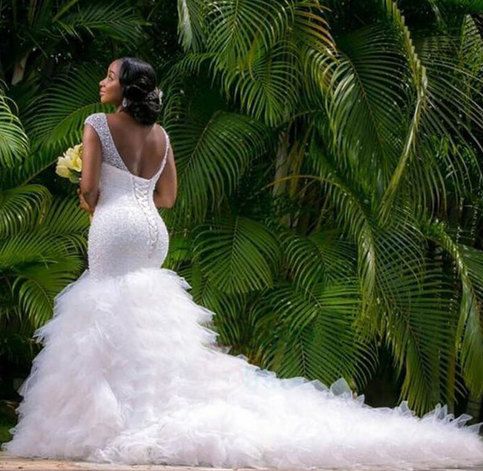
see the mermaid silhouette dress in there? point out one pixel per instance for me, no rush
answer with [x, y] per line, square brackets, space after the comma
[130, 371]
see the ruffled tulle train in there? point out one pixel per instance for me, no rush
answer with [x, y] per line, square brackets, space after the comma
[130, 373]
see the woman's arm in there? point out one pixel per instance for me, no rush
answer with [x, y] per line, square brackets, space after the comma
[166, 187]
[91, 169]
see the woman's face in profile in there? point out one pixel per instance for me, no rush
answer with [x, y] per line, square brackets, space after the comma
[110, 90]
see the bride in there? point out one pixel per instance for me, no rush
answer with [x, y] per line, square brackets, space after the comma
[130, 371]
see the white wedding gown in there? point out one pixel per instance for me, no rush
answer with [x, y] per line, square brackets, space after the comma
[130, 371]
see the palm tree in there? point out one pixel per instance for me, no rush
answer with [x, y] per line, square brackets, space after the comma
[375, 138]
[330, 182]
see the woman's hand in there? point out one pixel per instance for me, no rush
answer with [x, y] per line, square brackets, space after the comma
[83, 203]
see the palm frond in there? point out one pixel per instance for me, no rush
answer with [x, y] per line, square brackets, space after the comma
[268, 91]
[212, 156]
[33, 164]
[67, 222]
[236, 254]
[117, 20]
[192, 14]
[56, 117]
[36, 285]
[468, 262]
[366, 106]
[424, 360]
[317, 257]
[21, 208]
[311, 331]
[14, 143]
[311, 35]
[419, 81]
[236, 26]
[452, 119]
[39, 267]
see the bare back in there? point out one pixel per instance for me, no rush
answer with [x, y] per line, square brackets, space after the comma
[141, 148]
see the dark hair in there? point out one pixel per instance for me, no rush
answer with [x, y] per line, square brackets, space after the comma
[138, 82]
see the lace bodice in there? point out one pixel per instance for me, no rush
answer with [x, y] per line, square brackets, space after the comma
[126, 232]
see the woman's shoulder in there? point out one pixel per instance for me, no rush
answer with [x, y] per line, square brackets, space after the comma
[94, 118]
[161, 130]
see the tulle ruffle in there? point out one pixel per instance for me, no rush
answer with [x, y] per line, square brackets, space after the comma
[131, 373]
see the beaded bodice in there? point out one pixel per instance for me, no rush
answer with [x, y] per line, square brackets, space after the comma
[126, 232]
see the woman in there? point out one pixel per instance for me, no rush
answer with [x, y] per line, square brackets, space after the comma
[130, 371]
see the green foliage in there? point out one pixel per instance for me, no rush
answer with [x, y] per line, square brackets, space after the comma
[14, 143]
[329, 169]
[237, 255]
[40, 259]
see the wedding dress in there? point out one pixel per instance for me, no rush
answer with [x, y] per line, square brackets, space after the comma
[130, 371]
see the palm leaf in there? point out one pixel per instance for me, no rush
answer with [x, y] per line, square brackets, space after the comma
[449, 123]
[14, 143]
[36, 285]
[366, 106]
[117, 20]
[67, 222]
[319, 256]
[311, 331]
[419, 81]
[236, 25]
[425, 360]
[211, 157]
[21, 207]
[269, 91]
[468, 263]
[192, 18]
[56, 117]
[236, 255]
[39, 266]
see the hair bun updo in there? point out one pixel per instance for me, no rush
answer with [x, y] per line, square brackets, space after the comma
[135, 93]
[142, 98]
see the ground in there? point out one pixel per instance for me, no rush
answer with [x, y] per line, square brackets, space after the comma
[24, 464]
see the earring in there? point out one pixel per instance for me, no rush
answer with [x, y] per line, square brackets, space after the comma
[124, 102]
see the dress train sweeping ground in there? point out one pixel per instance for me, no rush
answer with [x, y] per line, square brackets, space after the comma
[131, 373]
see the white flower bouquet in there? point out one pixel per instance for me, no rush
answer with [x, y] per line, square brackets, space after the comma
[69, 164]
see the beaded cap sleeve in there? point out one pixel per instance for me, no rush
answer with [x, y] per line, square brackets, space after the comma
[109, 154]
